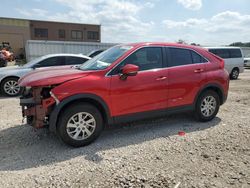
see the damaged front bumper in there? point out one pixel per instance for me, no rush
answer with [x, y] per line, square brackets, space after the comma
[36, 108]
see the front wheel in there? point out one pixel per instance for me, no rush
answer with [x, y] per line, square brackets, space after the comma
[10, 87]
[207, 106]
[80, 124]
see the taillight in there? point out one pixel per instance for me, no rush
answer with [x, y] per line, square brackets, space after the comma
[222, 63]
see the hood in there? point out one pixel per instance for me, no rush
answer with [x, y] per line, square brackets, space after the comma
[47, 77]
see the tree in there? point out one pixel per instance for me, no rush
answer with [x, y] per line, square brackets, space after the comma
[181, 41]
[240, 44]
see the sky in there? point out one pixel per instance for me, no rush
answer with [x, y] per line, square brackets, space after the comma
[206, 22]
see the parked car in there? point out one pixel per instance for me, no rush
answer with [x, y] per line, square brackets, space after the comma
[247, 61]
[95, 53]
[10, 75]
[234, 61]
[123, 84]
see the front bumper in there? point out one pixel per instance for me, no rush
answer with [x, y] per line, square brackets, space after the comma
[34, 113]
[35, 109]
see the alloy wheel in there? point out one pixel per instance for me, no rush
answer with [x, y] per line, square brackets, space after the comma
[11, 87]
[208, 106]
[81, 126]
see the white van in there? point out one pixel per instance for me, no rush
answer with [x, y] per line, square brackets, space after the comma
[233, 56]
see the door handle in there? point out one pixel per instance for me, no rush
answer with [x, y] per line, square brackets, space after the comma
[198, 70]
[161, 78]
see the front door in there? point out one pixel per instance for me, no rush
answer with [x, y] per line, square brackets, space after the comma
[147, 90]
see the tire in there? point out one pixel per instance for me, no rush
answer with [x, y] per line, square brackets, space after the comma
[73, 131]
[234, 74]
[206, 112]
[10, 88]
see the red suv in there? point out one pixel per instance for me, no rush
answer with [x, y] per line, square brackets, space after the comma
[124, 83]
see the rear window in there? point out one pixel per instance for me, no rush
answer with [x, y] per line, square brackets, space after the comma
[227, 53]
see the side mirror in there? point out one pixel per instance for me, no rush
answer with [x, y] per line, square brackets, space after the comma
[129, 70]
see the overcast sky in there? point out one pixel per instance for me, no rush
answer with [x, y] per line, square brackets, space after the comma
[208, 22]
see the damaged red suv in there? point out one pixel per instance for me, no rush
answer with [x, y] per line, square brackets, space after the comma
[125, 83]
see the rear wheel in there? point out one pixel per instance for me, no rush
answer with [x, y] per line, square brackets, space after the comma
[235, 74]
[207, 106]
[79, 125]
[10, 87]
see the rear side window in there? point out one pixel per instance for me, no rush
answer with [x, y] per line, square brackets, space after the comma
[235, 53]
[227, 53]
[223, 53]
[52, 61]
[74, 60]
[197, 58]
[180, 57]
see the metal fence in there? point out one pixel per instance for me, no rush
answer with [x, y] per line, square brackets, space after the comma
[34, 48]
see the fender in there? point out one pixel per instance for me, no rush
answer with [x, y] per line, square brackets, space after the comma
[56, 111]
[223, 98]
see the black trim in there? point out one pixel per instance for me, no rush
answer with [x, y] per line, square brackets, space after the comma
[56, 111]
[152, 114]
[214, 85]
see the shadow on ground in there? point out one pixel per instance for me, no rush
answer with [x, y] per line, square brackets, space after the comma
[23, 147]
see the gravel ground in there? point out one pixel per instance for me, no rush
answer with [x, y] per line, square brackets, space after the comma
[145, 154]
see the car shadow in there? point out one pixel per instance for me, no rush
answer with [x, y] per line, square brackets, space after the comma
[24, 147]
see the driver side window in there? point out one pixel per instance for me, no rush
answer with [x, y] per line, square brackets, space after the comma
[146, 59]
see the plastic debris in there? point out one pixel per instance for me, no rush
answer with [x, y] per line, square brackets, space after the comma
[181, 133]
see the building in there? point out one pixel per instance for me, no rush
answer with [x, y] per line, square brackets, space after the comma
[16, 32]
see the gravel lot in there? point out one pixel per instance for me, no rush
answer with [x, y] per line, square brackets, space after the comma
[145, 154]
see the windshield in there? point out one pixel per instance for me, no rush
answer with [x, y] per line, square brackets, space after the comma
[105, 59]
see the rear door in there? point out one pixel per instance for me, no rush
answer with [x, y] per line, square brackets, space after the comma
[185, 74]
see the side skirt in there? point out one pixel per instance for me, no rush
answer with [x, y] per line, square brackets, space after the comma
[152, 114]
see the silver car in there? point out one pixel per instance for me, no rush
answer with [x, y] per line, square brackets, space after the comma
[9, 76]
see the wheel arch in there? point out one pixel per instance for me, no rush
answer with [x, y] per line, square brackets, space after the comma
[5, 78]
[9, 76]
[95, 100]
[214, 87]
[235, 68]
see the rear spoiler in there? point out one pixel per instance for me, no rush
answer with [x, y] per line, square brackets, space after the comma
[219, 59]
